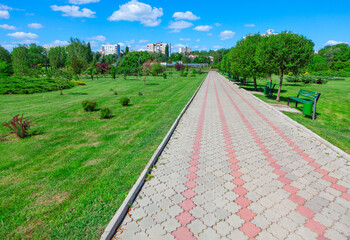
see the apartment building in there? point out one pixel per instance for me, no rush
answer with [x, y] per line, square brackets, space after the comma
[158, 47]
[111, 49]
[185, 50]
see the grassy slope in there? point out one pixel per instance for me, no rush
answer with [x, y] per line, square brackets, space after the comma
[333, 108]
[68, 180]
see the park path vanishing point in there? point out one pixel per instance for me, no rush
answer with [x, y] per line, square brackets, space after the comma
[235, 169]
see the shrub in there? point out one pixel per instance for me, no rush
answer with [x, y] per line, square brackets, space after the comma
[124, 101]
[78, 82]
[19, 126]
[183, 74]
[165, 75]
[89, 106]
[193, 75]
[307, 79]
[140, 93]
[332, 73]
[290, 74]
[105, 113]
[115, 92]
[21, 85]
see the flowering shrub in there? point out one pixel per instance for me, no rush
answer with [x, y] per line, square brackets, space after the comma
[18, 126]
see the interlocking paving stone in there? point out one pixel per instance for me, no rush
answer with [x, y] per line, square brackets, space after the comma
[235, 169]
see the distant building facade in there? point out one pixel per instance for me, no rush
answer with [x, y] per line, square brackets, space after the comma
[111, 49]
[158, 47]
[185, 50]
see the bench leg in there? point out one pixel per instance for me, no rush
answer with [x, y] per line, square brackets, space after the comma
[314, 112]
[296, 104]
[288, 102]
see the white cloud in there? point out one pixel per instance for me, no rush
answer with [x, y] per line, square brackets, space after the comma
[8, 46]
[227, 35]
[57, 43]
[4, 7]
[179, 45]
[121, 44]
[27, 41]
[94, 44]
[129, 42]
[179, 25]
[138, 11]
[185, 39]
[249, 25]
[30, 14]
[79, 2]
[195, 47]
[217, 47]
[23, 35]
[209, 34]
[185, 16]
[99, 38]
[74, 11]
[7, 27]
[140, 48]
[35, 25]
[143, 41]
[204, 28]
[333, 42]
[217, 24]
[4, 14]
[198, 40]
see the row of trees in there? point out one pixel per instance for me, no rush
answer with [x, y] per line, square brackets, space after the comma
[261, 56]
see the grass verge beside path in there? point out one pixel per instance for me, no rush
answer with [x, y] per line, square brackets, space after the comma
[333, 108]
[69, 178]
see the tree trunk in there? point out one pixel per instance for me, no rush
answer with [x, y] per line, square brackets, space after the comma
[255, 86]
[280, 86]
[92, 77]
[270, 76]
[244, 80]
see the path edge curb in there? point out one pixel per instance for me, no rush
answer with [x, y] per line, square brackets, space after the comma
[298, 125]
[123, 209]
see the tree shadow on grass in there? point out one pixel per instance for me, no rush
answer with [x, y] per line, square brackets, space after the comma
[78, 93]
[152, 84]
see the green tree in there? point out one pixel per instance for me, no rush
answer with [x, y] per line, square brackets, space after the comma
[287, 51]
[5, 69]
[130, 65]
[317, 63]
[20, 60]
[126, 50]
[146, 69]
[62, 79]
[167, 53]
[57, 57]
[113, 71]
[79, 55]
[5, 56]
[335, 53]
[157, 69]
[37, 55]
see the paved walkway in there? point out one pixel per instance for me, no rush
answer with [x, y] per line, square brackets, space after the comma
[235, 169]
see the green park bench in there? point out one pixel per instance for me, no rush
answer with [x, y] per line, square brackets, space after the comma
[308, 100]
[268, 88]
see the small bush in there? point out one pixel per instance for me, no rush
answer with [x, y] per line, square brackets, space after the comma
[89, 106]
[290, 74]
[165, 75]
[332, 73]
[183, 74]
[19, 126]
[105, 113]
[115, 92]
[78, 82]
[124, 101]
[193, 75]
[140, 93]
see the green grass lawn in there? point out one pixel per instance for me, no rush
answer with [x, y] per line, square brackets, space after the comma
[333, 108]
[68, 179]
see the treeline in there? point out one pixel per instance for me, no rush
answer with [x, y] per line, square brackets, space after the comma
[335, 58]
[261, 56]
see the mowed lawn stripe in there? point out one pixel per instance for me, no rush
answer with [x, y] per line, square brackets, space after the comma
[68, 179]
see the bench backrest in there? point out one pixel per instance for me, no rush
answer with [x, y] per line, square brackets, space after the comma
[310, 95]
[270, 85]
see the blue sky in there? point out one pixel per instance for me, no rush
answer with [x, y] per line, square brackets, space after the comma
[199, 25]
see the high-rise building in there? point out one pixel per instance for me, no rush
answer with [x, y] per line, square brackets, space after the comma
[158, 47]
[185, 50]
[111, 49]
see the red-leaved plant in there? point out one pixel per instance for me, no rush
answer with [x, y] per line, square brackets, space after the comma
[18, 126]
